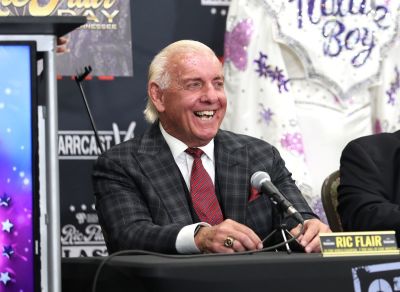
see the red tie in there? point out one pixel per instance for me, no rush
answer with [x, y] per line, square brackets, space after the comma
[202, 191]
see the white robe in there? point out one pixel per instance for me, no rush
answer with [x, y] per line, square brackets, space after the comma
[282, 88]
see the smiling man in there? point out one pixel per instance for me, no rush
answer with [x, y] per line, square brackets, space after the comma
[184, 185]
[192, 103]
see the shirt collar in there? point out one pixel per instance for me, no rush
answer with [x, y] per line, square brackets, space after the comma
[177, 147]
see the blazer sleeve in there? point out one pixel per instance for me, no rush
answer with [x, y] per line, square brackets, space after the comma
[282, 179]
[365, 201]
[124, 213]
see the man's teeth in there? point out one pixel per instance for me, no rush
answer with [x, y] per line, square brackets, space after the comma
[205, 115]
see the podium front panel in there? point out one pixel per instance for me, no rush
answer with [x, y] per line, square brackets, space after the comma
[19, 261]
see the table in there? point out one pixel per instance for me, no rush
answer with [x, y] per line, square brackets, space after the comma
[256, 272]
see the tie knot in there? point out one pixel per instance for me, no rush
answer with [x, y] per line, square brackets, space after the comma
[195, 152]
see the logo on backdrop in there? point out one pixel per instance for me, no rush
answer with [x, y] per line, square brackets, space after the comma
[215, 6]
[105, 36]
[85, 238]
[80, 231]
[81, 145]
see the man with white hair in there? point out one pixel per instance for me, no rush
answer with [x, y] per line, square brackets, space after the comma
[184, 185]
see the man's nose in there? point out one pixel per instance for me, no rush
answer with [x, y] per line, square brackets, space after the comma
[210, 94]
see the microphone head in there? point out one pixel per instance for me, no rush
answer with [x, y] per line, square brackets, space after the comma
[82, 75]
[258, 178]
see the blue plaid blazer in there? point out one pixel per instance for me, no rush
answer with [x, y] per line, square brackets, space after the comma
[142, 201]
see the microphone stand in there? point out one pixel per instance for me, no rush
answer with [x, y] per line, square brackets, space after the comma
[281, 228]
[79, 78]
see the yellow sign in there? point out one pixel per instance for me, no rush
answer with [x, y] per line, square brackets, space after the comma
[101, 14]
[358, 243]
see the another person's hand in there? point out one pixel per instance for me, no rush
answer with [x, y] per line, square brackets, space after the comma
[62, 45]
[212, 239]
[309, 240]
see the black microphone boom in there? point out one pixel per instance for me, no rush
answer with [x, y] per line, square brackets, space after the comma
[262, 182]
[79, 78]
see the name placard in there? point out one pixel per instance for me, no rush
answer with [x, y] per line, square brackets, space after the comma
[358, 243]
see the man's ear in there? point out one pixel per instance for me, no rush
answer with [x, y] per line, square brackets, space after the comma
[156, 94]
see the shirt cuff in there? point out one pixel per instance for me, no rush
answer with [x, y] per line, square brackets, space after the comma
[185, 240]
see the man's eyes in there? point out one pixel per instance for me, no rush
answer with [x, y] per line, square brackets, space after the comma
[199, 85]
[219, 84]
[194, 85]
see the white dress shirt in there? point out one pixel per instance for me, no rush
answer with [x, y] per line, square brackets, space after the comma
[185, 239]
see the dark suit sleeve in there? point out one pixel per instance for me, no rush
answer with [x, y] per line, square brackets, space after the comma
[365, 201]
[282, 179]
[124, 213]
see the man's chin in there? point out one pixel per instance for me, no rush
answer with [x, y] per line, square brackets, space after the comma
[206, 138]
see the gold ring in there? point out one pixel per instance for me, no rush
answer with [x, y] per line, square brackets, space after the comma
[228, 242]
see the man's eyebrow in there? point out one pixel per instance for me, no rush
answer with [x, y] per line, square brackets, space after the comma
[186, 80]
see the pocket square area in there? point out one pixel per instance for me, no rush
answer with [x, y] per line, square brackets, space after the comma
[254, 194]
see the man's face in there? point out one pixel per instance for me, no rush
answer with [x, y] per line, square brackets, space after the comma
[192, 108]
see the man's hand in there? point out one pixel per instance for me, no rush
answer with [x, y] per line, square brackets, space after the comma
[310, 238]
[211, 239]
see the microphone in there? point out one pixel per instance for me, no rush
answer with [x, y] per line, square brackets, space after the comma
[262, 182]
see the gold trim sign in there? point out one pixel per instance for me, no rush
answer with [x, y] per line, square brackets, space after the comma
[36, 8]
[358, 243]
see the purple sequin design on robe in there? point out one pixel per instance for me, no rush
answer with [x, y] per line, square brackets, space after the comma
[236, 42]
[293, 143]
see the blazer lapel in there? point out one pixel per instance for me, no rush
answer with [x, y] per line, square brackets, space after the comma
[159, 166]
[232, 176]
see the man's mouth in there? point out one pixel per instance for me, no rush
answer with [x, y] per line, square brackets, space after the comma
[205, 115]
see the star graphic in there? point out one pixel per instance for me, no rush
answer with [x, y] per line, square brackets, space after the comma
[5, 200]
[8, 251]
[263, 69]
[7, 225]
[277, 74]
[283, 84]
[391, 99]
[267, 115]
[5, 278]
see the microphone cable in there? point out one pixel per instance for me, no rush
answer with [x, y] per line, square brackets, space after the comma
[172, 256]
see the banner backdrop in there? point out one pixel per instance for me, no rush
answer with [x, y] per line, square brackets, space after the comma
[103, 42]
[117, 103]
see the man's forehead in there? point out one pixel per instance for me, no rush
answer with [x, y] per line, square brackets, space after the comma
[192, 58]
[187, 62]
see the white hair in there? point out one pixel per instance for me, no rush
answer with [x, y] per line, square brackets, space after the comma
[159, 69]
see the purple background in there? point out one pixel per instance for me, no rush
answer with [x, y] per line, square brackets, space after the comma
[16, 168]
